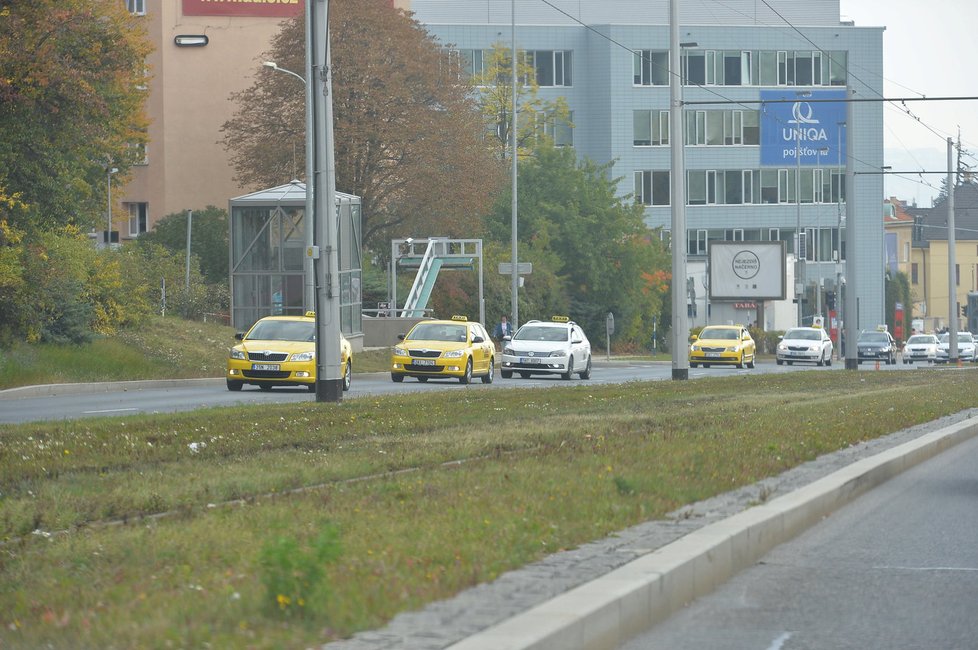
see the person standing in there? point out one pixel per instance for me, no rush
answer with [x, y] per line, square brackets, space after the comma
[503, 328]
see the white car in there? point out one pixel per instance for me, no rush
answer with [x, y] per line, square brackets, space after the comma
[810, 344]
[920, 347]
[966, 347]
[558, 347]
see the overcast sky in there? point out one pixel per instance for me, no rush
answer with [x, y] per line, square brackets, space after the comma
[929, 48]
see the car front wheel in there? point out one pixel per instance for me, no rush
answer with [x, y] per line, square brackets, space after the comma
[234, 385]
[586, 373]
[487, 378]
[570, 368]
[348, 376]
[467, 375]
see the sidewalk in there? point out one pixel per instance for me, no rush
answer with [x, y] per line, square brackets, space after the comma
[599, 595]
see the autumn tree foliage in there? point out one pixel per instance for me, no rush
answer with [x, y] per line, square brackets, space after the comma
[70, 105]
[408, 135]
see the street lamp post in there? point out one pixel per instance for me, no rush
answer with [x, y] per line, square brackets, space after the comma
[108, 204]
[309, 284]
[820, 196]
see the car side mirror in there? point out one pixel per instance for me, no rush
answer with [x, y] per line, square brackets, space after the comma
[507, 338]
[400, 337]
[780, 337]
[692, 337]
[478, 339]
[239, 336]
[577, 341]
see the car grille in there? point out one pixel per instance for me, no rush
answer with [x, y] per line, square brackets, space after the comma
[425, 354]
[531, 353]
[265, 374]
[413, 368]
[267, 356]
[706, 349]
[798, 348]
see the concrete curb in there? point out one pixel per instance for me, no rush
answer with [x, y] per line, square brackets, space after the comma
[47, 390]
[606, 612]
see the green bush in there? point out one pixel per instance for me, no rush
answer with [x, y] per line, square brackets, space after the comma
[293, 573]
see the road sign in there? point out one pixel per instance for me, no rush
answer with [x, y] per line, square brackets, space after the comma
[522, 268]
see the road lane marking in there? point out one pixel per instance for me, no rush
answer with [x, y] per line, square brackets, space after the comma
[110, 411]
[779, 642]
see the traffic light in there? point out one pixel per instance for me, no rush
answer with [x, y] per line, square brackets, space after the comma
[830, 299]
[964, 310]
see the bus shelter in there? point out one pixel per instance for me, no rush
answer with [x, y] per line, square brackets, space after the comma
[267, 241]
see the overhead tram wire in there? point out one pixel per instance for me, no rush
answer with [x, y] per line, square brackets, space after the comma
[747, 103]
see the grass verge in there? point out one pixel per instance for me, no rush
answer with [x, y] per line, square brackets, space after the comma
[380, 505]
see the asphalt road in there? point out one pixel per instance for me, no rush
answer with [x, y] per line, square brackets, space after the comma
[897, 568]
[72, 401]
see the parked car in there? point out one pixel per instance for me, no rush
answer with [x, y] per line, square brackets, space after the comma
[809, 344]
[722, 345]
[920, 347]
[966, 347]
[876, 345]
[281, 351]
[558, 347]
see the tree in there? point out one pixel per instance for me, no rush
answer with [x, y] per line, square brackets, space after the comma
[208, 240]
[536, 117]
[407, 133]
[598, 244]
[70, 106]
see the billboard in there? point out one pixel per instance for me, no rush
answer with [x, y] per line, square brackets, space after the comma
[795, 128]
[250, 8]
[748, 270]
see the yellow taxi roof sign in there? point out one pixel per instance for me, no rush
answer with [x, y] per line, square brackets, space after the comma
[460, 317]
[310, 314]
[560, 319]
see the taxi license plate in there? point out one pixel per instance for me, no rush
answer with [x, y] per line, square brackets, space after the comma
[529, 360]
[265, 366]
[423, 362]
[713, 355]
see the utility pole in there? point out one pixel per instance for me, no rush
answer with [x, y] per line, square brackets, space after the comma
[680, 320]
[952, 284]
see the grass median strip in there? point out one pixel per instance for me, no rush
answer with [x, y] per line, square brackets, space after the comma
[546, 470]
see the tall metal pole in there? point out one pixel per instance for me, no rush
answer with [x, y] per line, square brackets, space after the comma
[851, 323]
[329, 381]
[514, 274]
[680, 319]
[952, 284]
[190, 221]
[799, 263]
[308, 266]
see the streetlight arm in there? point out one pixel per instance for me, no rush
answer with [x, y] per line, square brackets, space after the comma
[274, 66]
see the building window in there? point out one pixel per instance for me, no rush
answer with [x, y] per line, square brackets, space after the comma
[138, 218]
[650, 68]
[650, 128]
[913, 274]
[957, 275]
[553, 67]
[561, 132]
[906, 251]
[763, 68]
[697, 242]
[136, 7]
[652, 187]
[722, 127]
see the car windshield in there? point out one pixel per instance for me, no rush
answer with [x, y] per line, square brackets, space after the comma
[874, 337]
[437, 332]
[283, 330]
[922, 339]
[804, 335]
[963, 337]
[541, 333]
[721, 334]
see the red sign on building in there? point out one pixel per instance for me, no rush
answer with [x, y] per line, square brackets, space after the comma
[249, 8]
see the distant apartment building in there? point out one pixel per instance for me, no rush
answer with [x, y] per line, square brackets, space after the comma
[753, 172]
[204, 50]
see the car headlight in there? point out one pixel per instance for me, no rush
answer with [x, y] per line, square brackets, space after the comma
[453, 354]
[401, 352]
[238, 354]
[509, 351]
[782, 347]
[559, 353]
[732, 349]
[304, 356]
[694, 348]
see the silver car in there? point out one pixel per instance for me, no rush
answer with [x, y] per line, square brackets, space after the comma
[920, 347]
[966, 347]
[808, 344]
[540, 348]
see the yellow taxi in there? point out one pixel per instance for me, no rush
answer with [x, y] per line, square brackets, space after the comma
[722, 345]
[457, 348]
[281, 351]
